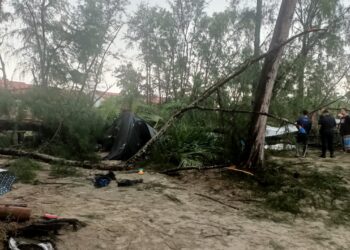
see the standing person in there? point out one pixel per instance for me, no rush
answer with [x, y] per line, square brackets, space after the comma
[344, 129]
[304, 125]
[327, 125]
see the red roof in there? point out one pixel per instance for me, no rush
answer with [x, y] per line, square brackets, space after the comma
[22, 87]
[15, 86]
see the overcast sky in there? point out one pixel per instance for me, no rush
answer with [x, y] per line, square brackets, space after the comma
[214, 5]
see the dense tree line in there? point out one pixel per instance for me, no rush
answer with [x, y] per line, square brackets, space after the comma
[182, 51]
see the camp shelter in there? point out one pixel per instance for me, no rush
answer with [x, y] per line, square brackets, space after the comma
[129, 134]
[279, 131]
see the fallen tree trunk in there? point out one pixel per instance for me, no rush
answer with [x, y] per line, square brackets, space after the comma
[103, 165]
[180, 169]
[239, 70]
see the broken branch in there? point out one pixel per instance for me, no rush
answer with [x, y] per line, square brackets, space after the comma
[213, 199]
[103, 165]
[239, 70]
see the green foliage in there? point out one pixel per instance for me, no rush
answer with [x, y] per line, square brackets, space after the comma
[188, 143]
[25, 170]
[72, 125]
[182, 53]
[111, 108]
[60, 171]
[150, 113]
[7, 102]
[294, 191]
[5, 140]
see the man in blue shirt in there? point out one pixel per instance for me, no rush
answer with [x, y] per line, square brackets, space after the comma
[304, 125]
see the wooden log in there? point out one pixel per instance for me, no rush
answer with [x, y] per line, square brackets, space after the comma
[103, 165]
[180, 169]
[14, 213]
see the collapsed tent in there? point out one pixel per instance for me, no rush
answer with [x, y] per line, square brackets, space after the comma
[129, 134]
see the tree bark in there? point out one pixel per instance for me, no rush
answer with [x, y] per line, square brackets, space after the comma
[3, 70]
[301, 72]
[255, 150]
[258, 18]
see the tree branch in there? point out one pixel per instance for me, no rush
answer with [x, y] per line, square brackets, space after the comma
[233, 111]
[239, 70]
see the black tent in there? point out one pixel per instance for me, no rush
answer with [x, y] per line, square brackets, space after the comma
[130, 133]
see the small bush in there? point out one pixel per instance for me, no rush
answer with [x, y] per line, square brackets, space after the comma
[7, 102]
[63, 171]
[5, 140]
[25, 170]
[72, 125]
[287, 200]
[187, 145]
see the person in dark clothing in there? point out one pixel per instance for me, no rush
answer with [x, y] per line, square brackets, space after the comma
[327, 125]
[344, 126]
[304, 125]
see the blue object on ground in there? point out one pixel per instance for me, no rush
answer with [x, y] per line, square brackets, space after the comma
[102, 181]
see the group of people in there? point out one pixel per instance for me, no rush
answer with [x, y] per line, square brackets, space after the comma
[327, 125]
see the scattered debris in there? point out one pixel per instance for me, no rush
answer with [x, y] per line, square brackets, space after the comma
[213, 199]
[18, 244]
[127, 182]
[39, 234]
[50, 216]
[104, 180]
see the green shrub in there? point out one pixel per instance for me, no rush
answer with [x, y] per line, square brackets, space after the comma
[25, 170]
[72, 125]
[5, 140]
[187, 145]
[7, 102]
[291, 192]
[110, 108]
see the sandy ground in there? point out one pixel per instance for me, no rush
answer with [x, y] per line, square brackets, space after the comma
[167, 213]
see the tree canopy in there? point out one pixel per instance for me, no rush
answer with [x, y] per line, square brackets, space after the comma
[180, 51]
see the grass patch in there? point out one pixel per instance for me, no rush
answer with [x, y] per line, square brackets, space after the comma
[60, 171]
[25, 170]
[298, 191]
